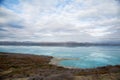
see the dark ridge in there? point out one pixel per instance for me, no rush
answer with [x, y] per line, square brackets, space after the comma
[64, 44]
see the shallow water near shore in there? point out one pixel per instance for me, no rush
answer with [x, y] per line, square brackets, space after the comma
[86, 57]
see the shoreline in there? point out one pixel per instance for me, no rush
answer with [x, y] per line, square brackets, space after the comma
[55, 61]
[15, 66]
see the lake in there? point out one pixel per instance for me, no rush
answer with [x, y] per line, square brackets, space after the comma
[86, 57]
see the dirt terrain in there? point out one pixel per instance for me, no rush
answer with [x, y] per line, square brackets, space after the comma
[35, 67]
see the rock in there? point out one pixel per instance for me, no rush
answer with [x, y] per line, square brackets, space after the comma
[114, 69]
[63, 76]
[36, 78]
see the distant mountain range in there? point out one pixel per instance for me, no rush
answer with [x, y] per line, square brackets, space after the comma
[67, 44]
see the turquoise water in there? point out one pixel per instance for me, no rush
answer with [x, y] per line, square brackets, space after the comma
[87, 57]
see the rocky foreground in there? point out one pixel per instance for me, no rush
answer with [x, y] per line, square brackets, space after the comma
[35, 67]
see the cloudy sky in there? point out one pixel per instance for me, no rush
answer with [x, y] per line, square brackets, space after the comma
[60, 20]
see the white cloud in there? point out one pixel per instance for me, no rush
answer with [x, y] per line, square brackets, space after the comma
[99, 32]
[55, 20]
